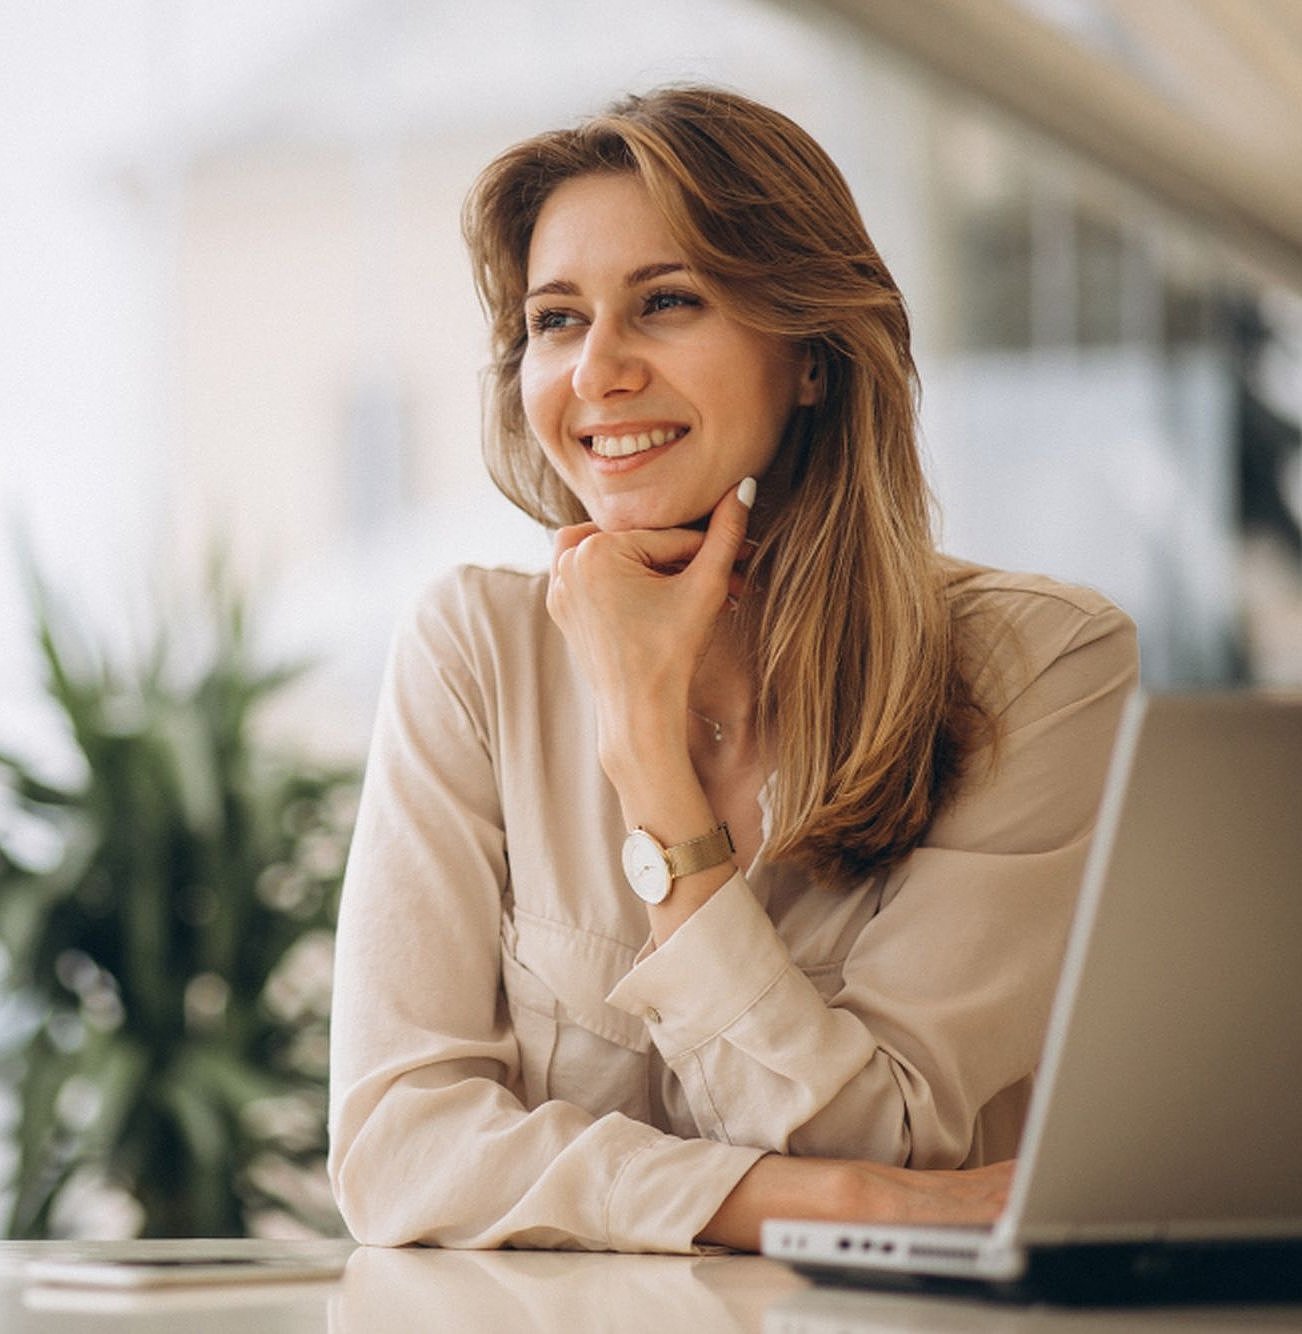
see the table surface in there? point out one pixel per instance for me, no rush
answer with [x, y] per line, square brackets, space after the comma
[392, 1291]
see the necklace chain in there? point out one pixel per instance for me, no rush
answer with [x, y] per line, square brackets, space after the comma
[713, 723]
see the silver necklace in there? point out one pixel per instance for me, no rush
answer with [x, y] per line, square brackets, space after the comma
[713, 723]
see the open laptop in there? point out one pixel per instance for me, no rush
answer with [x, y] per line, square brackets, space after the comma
[1162, 1154]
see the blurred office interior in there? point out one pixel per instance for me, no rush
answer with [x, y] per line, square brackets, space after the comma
[238, 310]
[239, 307]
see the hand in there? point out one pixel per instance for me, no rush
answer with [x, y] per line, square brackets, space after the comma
[855, 1191]
[638, 608]
[973, 1196]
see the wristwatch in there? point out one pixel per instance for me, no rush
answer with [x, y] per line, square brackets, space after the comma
[652, 869]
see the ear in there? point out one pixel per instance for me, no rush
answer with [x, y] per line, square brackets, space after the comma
[809, 389]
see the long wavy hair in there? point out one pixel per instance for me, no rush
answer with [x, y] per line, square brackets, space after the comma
[861, 690]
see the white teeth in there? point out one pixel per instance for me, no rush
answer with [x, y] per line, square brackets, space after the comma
[620, 446]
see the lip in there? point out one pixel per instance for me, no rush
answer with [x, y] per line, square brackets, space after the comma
[628, 462]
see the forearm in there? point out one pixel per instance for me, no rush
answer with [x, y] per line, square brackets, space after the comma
[640, 611]
[476, 1170]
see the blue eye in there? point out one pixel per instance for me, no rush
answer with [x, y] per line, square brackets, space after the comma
[666, 299]
[549, 320]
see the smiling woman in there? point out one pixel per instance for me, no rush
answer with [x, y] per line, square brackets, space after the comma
[723, 871]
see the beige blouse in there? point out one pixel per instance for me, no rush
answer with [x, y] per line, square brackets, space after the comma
[511, 1063]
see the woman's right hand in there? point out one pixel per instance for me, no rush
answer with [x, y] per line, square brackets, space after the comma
[855, 1191]
[638, 610]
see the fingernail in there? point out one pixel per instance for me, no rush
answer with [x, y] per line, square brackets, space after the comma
[746, 491]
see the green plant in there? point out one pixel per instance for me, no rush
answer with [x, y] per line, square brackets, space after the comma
[167, 924]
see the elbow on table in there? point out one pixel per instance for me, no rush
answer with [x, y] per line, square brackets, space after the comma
[374, 1207]
[368, 1215]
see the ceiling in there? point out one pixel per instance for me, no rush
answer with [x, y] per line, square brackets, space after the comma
[1196, 102]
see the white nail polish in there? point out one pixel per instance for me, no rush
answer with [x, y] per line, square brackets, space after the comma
[746, 491]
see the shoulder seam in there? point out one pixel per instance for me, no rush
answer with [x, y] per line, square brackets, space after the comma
[1087, 601]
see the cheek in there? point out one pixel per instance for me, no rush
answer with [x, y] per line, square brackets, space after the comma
[538, 394]
[772, 407]
[770, 390]
[529, 388]
[543, 404]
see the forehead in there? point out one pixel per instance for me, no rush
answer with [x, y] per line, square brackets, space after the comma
[598, 226]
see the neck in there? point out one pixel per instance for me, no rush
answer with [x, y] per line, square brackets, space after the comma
[723, 689]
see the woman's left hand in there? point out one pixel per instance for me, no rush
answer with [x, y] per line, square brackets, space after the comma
[849, 1190]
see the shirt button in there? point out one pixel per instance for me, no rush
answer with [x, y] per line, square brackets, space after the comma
[652, 1015]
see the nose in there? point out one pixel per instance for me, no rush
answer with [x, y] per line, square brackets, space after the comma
[607, 363]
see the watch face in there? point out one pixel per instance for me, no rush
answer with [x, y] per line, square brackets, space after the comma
[645, 867]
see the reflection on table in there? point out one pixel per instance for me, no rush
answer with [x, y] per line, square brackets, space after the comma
[552, 1292]
[862, 1311]
[393, 1291]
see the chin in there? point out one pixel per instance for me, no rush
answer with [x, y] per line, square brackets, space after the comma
[651, 524]
[627, 515]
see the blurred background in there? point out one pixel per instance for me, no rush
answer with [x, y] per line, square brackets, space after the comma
[239, 429]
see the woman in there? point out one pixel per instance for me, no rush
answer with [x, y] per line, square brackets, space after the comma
[724, 870]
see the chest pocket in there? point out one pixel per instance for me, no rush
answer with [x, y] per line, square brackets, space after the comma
[573, 1046]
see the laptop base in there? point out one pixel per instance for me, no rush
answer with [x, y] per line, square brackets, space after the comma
[1111, 1274]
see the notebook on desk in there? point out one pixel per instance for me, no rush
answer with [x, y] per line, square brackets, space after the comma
[1162, 1154]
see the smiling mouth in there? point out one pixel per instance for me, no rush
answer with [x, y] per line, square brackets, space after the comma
[621, 446]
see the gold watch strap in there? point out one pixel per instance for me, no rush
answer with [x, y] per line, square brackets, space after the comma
[699, 854]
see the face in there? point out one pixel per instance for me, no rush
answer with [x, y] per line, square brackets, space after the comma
[649, 399]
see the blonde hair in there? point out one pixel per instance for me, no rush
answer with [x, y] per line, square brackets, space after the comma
[861, 690]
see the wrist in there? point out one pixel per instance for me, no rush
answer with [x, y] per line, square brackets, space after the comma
[652, 742]
[778, 1186]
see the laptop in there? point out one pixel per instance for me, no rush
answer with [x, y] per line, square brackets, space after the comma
[1162, 1153]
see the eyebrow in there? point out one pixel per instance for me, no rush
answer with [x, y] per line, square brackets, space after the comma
[633, 278]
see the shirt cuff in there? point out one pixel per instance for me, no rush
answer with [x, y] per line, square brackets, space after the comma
[667, 1191]
[707, 974]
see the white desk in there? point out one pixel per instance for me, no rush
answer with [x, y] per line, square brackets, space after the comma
[391, 1292]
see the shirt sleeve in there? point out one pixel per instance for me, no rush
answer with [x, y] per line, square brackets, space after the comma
[428, 1143]
[944, 995]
